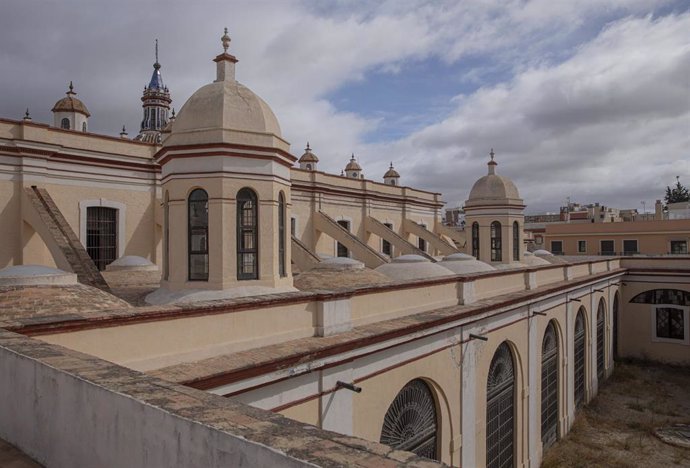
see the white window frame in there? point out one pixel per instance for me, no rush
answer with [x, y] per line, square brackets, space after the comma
[121, 217]
[686, 324]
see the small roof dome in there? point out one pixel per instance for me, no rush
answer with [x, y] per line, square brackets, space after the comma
[71, 103]
[408, 267]
[308, 156]
[532, 260]
[462, 263]
[391, 172]
[493, 187]
[542, 252]
[338, 273]
[353, 165]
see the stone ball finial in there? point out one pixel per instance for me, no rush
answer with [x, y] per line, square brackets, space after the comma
[225, 40]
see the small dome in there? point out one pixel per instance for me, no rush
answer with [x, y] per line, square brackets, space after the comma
[353, 165]
[408, 267]
[391, 172]
[532, 260]
[493, 187]
[542, 253]
[308, 156]
[34, 275]
[461, 263]
[131, 263]
[71, 103]
[338, 273]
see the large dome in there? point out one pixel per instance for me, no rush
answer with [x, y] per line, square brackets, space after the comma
[494, 186]
[226, 105]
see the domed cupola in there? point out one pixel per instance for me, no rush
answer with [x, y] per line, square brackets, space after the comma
[308, 160]
[156, 103]
[70, 113]
[391, 177]
[225, 177]
[353, 170]
[494, 218]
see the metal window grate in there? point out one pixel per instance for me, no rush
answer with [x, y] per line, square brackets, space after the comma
[341, 250]
[411, 422]
[500, 398]
[247, 235]
[101, 235]
[516, 241]
[600, 340]
[198, 235]
[281, 235]
[496, 245]
[549, 387]
[475, 240]
[386, 246]
[579, 383]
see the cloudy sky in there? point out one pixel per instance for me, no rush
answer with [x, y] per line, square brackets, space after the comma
[587, 99]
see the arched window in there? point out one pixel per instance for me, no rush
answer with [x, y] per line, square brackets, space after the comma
[579, 361]
[64, 123]
[500, 398]
[475, 240]
[247, 235]
[496, 248]
[615, 326]
[83, 126]
[411, 423]
[549, 386]
[197, 205]
[516, 241]
[281, 234]
[309, 167]
[601, 319]
[392, 181]
[166, 236]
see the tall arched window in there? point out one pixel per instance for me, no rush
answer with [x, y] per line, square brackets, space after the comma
[64, 123]
[475, 240]
[500, 398]
[281, 234]
[615, 326]
[496, 248]
[166, 236]
[516, 241]
[549, 386]
[83, 126]
[411, 423]
[247, 235]
[601, 319]
[198, 235]
[579, 361]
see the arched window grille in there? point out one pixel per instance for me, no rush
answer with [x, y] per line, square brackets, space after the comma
[198, 235]
[166, 236]
[247, 235]
[281, 234]
[496, 248]
[309, 167]
[579, 361]
[516, 241]
[615, 326]
[601, 319]
[663, 296]
[411, 423]
[549, 386]
[101, 235]
[500, 398]
[64, 123]
[83, 126]
[475, 240]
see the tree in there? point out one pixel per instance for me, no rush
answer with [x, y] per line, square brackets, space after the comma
[679, 193]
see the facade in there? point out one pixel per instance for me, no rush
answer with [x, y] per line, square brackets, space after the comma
[475, 360]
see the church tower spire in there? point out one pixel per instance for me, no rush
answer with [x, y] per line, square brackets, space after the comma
[156, 103]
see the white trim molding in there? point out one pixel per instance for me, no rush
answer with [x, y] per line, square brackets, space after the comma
[121, 215]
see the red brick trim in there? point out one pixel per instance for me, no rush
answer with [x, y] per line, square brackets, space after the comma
[162, 156]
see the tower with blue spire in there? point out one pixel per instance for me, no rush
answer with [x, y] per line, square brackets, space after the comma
[156, 103]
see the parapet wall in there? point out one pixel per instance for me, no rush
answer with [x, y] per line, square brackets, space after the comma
[67, 409]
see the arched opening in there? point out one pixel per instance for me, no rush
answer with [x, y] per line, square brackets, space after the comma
[615, 326]
[197, 205]
[549, 386]
[475, 240]
[496, 247]
[669, 313]
[579, 358]
[500, 401]
[281, 234]
[83, 126]
[64, 123]
[601, 340]
[101, 235]
[411, 422]
[516, 241]
[247, 235]
[309, 167]
[166, 236]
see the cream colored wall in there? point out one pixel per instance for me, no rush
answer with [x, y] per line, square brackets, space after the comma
[492, 286]
[441, 372]
[156, 344]
[307, 412]
[35, 251]
[10, 216]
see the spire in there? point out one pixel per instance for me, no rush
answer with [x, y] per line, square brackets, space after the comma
[71, 89]
[156, 65]
[156, 82]
[492, 164]
[27, 117]
[156, 103]
[172, 117]
[123, 133]
[225, 68]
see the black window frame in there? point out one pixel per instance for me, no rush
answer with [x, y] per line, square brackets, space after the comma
[516, 241]
[496, 242]
[669, 332]
[627, 251]
[68, 124]
[681, 251]
[387, 247]
[282, 215]
[475, 240]
[582, 246]
[199, 197]
[251, 228]
[421, 242]
[607, 252]
[557, 251]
